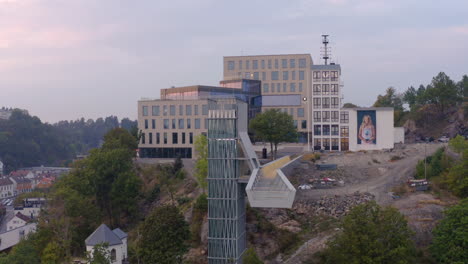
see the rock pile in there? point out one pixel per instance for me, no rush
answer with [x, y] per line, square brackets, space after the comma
[335, 206]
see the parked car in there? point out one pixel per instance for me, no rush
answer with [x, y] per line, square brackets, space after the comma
[305, 187]
[443, 139]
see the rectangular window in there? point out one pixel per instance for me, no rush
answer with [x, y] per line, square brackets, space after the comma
[316, 76]
[189, 124]
[143, 138]
[265, 88]
[206, 123]
[166, 123]
[181, 110]
[326, 89]
[293, 75]
[317, 103]
[326, 116]
[317, 130]
[183, 137]
[197, 123]
[334, 142]
[285, 87]
[263, 64]
[155, 110]
[326, 102]
[175, 138]
[284, 63]
[317, 143]
[247, 65]
[335, 102]
[300, 112]
[165, 138]
[145, 110]
[165, 110]
[204, 109]
[231, 65]
[335, 116]
[146, 123]
[153, 123]
[274, 75]
[276, 64]
[247, 75]
[300, 87]
[295, 123]
[317, 89]
[255, 64]
[326, 130]
[285, 75]
[190, 138]
[301, 75]
[292, 87]
[304, 124]
[278, 87]
[334, 76]
[317, 116]
[256, 76]
[188, 110]
[181, 123]
[325, 75]
[291, 111]
[150, 137]
[292, 63]
[345, 131]
[158, 140]
[172, 110]
[240, 65]
[334, 89]
[269, 64]
[344, 117]
[263, 76]
[302, 63]
[334, 131]
[326, 143]
[173, 124]
[195, 109]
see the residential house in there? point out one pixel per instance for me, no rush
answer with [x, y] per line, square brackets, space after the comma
[7, 188]
[22, 185]
[18, 220]
[115, 240]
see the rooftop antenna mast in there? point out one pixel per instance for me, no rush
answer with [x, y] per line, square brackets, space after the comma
[325, 49]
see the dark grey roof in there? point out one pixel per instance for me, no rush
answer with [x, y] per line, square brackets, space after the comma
[103, 234]
[121, 234]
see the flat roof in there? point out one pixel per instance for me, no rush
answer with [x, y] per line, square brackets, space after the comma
[369, 108]
[293, 54]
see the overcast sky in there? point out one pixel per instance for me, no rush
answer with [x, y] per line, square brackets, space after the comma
[66, 59]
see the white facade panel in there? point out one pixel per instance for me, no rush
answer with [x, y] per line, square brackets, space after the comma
[399, 135]
[384, 131]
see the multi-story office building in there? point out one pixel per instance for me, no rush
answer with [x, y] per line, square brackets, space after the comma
[286, 82]
[170, 124]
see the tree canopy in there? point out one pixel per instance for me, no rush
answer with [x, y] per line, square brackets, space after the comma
[274, 127]
[201, 165]
[371, 234]
[450, 241]
[163, 236]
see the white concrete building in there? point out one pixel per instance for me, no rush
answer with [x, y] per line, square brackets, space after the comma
[7, 188]
[116, 241]
[17, 221]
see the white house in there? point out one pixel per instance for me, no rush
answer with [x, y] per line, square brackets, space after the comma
[18, 220]
[116, 241]
[7, 188]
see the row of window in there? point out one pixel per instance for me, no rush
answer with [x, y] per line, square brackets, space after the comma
[331, 130]
[171, 110]
[331, 144]
[326, 116]
[327, 102]
[274, 75]
[263, 64]
[157, 138]
[177, 123]
[325, 75]
[284, 87]
[300, 111]
[325, 89]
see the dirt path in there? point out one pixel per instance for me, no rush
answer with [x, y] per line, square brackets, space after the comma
[309, 248]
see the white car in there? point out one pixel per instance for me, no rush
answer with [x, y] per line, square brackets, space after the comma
[444, 139]
[305, 187]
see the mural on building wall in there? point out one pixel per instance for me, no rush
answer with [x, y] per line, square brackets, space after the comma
[367, 134]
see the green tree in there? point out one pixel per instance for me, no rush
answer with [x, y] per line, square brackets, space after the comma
[100, 255]
[349, 105]
[162, 237]
[201, 164]
[23, 252]
[118, 138]
[458, 144]
[409, 97]
[250, 257]
[442, 92]
[52, 254]
[450, 241]
[371, 234]
[274, 127]
[463, 86]
[391, 99]
[457, 179]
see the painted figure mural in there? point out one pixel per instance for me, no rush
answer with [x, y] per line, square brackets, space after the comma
[367, 134]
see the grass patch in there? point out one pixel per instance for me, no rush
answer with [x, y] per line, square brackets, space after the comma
[434, 201]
